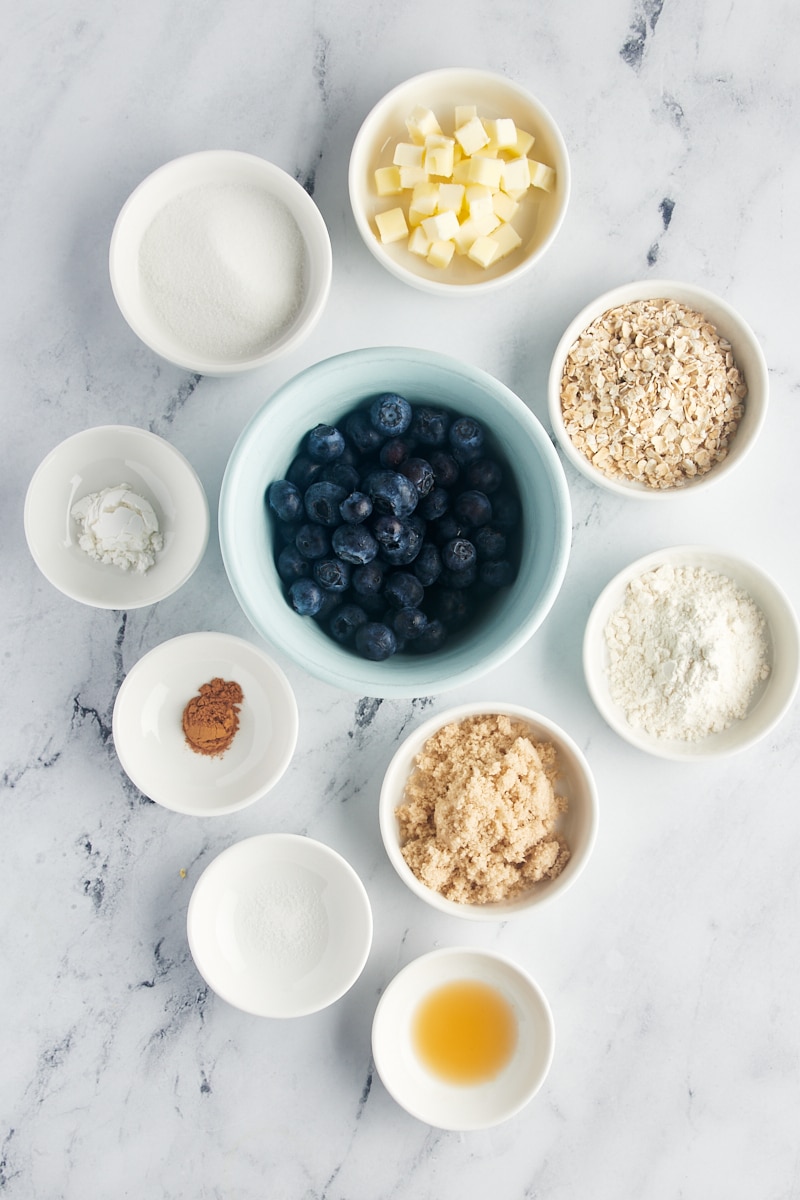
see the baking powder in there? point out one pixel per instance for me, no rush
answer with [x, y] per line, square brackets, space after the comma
[687, 650]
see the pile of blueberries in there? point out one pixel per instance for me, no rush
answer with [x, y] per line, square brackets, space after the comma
[394, 529]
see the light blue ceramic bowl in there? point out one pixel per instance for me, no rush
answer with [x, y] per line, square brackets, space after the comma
[325, 392]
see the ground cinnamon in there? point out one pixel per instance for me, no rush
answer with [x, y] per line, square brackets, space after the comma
[211, 719]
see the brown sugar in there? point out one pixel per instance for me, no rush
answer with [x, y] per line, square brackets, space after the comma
[211, 718]
[478, 817]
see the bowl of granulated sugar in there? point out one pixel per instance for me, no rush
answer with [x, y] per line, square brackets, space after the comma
[220, 261]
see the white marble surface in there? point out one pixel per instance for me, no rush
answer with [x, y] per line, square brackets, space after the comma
[672, 966]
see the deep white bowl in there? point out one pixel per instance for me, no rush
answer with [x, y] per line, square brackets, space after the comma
[410, 1081]
[495, 96]
[325, 392]
[148, 731]
[103, 457]
[179, 180]
[747, 354]
[578, 824]
[279, 925]
[772, 698]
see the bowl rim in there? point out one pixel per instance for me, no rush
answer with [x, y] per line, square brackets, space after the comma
[492, 963]
[368, 678]
[200, 522]
[310, 848]
[442, 287]
[320, 256]
[705, 301]
[724, 562]
[388, 800]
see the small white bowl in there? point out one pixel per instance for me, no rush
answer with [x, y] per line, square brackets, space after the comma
[747, 354]
[578, 824]
[178, 181]
[771, 699]
[102, 457]
[410, 1081]
[148, 731]
[279, 925]
[537, 221]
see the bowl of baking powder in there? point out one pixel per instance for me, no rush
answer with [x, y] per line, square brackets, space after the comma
[220, 261]
[692, 653]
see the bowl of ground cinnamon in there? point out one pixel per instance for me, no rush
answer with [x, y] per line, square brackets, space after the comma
[205, 724]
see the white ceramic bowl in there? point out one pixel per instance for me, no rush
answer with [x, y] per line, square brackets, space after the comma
[411, 1082]
[325, 392]
[148, 731]
[102, 457]
[539, 217]
[218, 272]
[578, 824]
[747, 354]
[279, 925]
[771, 699]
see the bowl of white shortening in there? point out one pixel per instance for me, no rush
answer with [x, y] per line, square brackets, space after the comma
[692, 653]
[220, 261]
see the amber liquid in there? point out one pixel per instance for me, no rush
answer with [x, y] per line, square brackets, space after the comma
[465, 1031]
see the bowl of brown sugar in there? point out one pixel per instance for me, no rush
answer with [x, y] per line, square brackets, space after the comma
[205, 724]
[488, 810]
[657, 388]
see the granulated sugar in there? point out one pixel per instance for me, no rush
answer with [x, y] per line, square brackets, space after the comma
[687, 650]
[223, 267]
[283, 925]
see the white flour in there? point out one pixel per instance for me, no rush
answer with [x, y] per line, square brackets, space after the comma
[687, 650]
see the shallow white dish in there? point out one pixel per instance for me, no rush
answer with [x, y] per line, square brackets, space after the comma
[179, 178]
[458, 1106]
[578, 824]
[149, 738]
[279, 925]
[495, 96]
[102, 457]
[772, 698]
[747, 354]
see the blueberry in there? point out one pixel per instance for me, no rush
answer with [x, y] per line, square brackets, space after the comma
[427, 566]
[404, 590]
[420, 472]
[395, 452]
[432, 638]
[305, 597]
[292, 565]
[458, 554]
[375, 641]
[313, 541]
[484, 474]
[452, 608]
[368, 580]
[409, 623]
[391, 492]
[361, 432]
[464, 578]
[286, 531]
[345, 621]
[435, 504]
[445, 468]
[331, 602]
[429, 425]
[285, 499]
[322, 502]
[355, 508]
[354, 544]
[390, 414]
[490, 543]
[466, 439]
[445, 528]
[472, 507]
[324, 443]
[332, 574]
[342, 474]
[400, 541]
[497, 574]
[303, 470]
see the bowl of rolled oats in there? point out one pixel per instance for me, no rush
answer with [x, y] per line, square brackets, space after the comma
[657, 387]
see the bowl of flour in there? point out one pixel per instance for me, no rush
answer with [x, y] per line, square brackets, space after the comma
[220, 261]
[692, 653]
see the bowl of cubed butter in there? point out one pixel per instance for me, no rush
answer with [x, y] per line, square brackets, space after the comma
[459, 181]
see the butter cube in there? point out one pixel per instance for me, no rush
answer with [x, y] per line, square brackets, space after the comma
[411, 176]
[425, 198]
[440, 254]
[478, 200]
[387, 181]
[507, 239]
[483, 251]
[504, 206]
[473, 228]
[420, 122]
[441, 227]
[487, 171]
[464, 113]
[439, 159]
[502, 132]
[392, 225]
[472, 136]
[419, 242]
[451, 197]
[515, 176]
[542, 176]
[461, 170]
[406, 154]
[524, 143]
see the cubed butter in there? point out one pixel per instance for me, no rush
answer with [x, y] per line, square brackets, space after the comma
[450, 197]
[507, 239]
[504, 206]
[387, 181]
[441, 227]
[524, 143]
[392, 225]
[542, 176]
[487, 171]
[411, 176]
[439, 160]
[502, 132]
[483, 251]
[515, 176]
[472, 135]
[419, 242]
[425, 198]
[407, 154]
[440, 254]
[478, 200]
[463, 114]
[420, 122]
